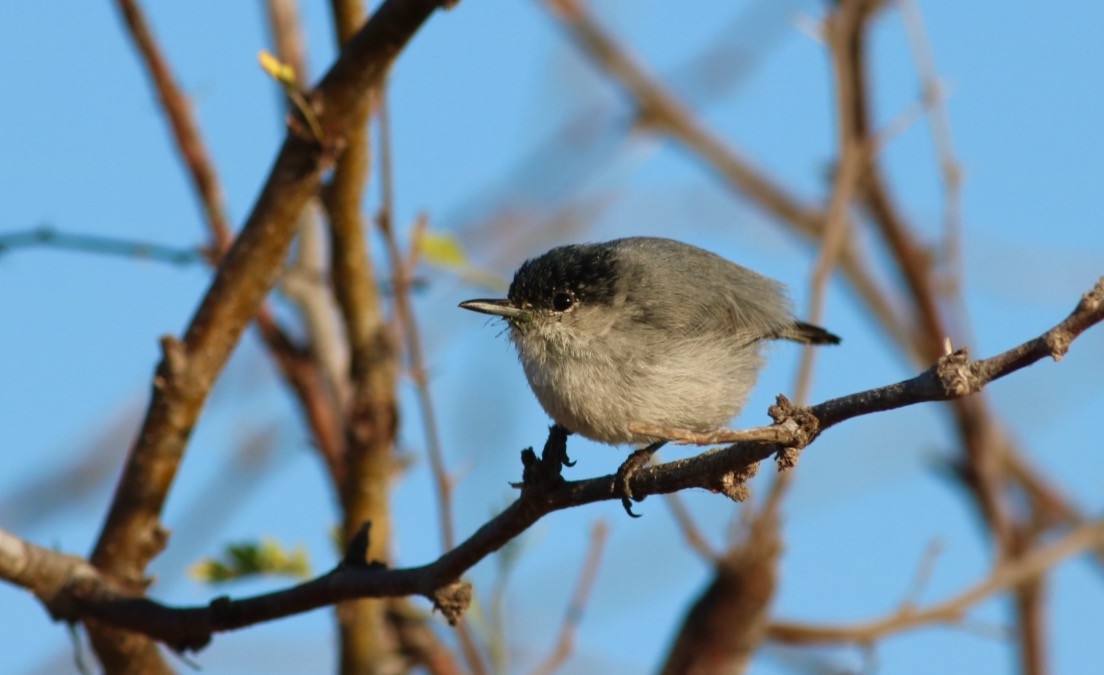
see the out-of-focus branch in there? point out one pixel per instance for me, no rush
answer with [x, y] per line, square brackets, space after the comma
[47, 237]
[184, 129]
[417, 641]
[402, 275]
[371, 420]
[690, 531]
[949, 167]
[132, 533]
[303, 281]
[565, 642]
[726, 624]
[662, 112]
[983, 442]
[854, 154]
[1006, 575]
[717, 470]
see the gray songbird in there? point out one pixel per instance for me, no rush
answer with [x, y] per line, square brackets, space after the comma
[644, 330]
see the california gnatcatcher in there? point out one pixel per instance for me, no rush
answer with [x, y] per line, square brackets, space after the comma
[644, 330]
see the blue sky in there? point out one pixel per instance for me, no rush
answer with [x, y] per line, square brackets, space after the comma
[476, 96]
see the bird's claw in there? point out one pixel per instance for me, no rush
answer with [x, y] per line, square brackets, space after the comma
[546, 470]
[627, 471]
[555, 448]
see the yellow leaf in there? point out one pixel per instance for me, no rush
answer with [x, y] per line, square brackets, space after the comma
[441, 249]
[277, 69]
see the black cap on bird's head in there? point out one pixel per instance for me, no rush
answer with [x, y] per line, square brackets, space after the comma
[555, 282]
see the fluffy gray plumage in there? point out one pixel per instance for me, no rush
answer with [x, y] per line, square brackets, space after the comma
[643, 329]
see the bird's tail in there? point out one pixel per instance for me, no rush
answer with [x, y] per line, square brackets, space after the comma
[807, 333]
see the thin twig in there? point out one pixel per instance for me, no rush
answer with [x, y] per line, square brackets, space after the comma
[401, 276]
[1006, 575]
[664, 113]
[184, 128]
[402, 273]
[690, 531]
[854, 156]
[954, 376]
[854, 153]
[923, 574]
[573, 617]
[46, 236]
[950, 169]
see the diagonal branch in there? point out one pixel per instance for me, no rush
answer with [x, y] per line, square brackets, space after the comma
[184, 128]
[954, 376]
[1005, 575]
[132, 533]
[665, 113]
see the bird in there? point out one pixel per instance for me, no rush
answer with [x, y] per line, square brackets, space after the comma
[642, 330]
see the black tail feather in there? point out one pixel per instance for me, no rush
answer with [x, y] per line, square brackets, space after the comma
[807, 333]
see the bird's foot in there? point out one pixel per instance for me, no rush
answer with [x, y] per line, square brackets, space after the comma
[555, 448]
[545, 472]
[627, 471]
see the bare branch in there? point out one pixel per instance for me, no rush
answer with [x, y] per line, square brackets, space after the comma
[690, 531]
[726, 623]
[183, 125]
[132, 534]
[402, 274]
[954, 376]
[565, 643]
[664, 113]
[47, 237]
[1006, 575]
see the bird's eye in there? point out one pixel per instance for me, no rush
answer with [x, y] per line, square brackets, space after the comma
[562, 301]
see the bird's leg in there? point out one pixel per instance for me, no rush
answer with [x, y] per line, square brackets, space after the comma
[628, 469]
[555, 448]
[546, 471]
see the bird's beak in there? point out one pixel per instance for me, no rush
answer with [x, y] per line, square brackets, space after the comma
[503, 308]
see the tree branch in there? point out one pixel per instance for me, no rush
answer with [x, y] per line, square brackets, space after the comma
[1005, 576]
[132, 533]
[954, 376]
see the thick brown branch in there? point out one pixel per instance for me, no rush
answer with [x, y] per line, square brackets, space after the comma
[371, 420]
[132, 533]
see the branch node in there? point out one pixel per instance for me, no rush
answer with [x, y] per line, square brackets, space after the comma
[956, 374]
[802, 424]
[173, 361]
[452, 600]
[1058, 342]
[1091, 301]
[734, 483]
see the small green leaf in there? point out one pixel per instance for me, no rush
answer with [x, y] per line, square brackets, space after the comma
[252, 559]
